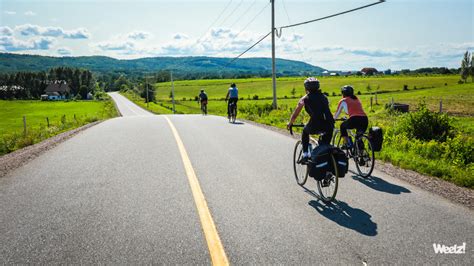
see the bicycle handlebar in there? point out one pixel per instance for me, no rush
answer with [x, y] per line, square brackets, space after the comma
[296, 125]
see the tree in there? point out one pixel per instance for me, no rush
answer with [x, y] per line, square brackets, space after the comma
[465, 66]
[471, 67]
[151, 93]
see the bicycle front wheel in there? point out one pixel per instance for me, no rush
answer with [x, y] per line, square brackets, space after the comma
[327, 187]
[364, 156]
[301, 170]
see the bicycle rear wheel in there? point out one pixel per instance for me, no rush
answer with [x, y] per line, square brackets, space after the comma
[234, 114]
[364, 157]
[301, 170]
[328, 186]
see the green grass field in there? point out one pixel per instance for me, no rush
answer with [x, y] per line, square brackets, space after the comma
[62, 116]
[217, 89]
[437, 159]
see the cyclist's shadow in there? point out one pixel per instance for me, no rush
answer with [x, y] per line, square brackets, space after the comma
[344, 215]
[381, 185]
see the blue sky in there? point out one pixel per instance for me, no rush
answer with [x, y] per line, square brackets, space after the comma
[396, 34]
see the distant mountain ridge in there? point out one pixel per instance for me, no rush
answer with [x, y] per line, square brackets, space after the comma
[197, 66]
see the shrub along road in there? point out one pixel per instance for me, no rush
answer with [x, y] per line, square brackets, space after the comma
[127, 198]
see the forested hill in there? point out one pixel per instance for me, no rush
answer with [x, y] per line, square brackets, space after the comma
[186, 67]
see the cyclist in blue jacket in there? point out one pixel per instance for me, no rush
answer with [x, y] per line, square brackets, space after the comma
[232, 96]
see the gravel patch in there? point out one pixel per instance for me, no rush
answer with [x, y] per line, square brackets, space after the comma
[16, 159]
[445, 189]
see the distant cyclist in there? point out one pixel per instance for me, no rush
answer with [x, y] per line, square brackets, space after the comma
[351, 105]
[316, 105]
[232, 96]
[203, 100]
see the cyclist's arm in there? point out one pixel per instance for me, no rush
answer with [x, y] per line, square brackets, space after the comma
[342, 106]
[297, 111]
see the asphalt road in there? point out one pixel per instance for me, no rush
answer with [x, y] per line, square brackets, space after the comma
[119, 193]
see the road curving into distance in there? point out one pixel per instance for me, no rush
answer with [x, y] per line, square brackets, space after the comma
[121, 192]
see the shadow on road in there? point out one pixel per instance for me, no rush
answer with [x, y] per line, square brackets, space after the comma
[379, 184]
[238, 123]
[344, 215]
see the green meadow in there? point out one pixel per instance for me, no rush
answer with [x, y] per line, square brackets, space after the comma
[62, 116]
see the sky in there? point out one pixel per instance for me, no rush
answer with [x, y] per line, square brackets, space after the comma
[396, 34]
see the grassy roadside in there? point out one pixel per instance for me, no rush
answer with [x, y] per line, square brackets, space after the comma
[62, 116]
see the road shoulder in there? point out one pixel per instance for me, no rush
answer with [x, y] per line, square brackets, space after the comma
[461, 195]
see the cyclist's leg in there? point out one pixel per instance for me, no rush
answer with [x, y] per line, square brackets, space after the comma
[326, 138]
[343, 128]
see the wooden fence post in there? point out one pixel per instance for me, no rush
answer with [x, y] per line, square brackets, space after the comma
[47, 121]
[441, 105]
[376, 102]
[24, 125]
[371, 104]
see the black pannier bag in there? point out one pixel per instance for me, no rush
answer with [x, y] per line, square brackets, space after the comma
[342, 161]
[320, 161]
[376, 138]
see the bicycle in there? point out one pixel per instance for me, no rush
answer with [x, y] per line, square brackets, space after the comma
[327, 187]
[232, 112]
[204, 107]
[360, 151]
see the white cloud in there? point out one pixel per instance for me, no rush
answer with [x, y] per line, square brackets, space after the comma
[11, 44]
[138, 35]
[180, 36]
[11, 13]
[64, 51]
[34, 30]
[355, 58]
[6, 31]
[30, 13]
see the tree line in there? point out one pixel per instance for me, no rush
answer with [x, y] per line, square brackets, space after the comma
[31, 85]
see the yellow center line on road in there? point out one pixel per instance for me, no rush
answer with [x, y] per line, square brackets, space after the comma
[216, 249]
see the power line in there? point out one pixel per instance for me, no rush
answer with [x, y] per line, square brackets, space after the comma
[237, 57]
[252, 20]
[245, 12]
[198, 41]
[331, 16]
[241, 1]
[302, 23]
[218, 17]
[296, 39]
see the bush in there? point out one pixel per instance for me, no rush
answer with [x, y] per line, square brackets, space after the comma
[255, 97]
[359, 93]
[426, 125]
[405, 87]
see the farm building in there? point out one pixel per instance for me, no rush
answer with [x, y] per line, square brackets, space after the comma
[369, 71]
[58, 90]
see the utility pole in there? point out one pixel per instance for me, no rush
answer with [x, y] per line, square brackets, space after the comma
[273, 56]
[172, 91]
